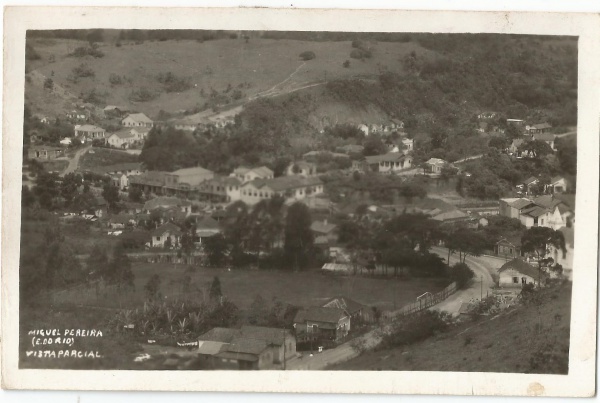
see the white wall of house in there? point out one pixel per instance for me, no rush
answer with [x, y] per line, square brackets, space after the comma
[512, 278]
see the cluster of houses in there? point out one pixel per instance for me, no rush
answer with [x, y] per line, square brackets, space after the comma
[248, 184]
[265, 348]
[394, 125]
[543, 211]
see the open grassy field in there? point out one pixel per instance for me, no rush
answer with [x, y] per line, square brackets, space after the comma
[241, 287]
[503, 343]
[261, 66]
[98, 157]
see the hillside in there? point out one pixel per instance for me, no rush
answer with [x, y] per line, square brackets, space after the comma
[258, 67]
[532, 338]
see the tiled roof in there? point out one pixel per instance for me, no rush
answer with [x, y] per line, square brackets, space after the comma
[435, 161]
[520, 203]
[547, 201]
[209, 347]
[268, 334]
[139, 117]
[534, 211]
[191, 171]
[220, 334]
[283, 183]
[344, 303]
[530, 180]
[90, 128]
[123, 134]
[389, 157]
[151, 178]
[263, 171]
[322, 227]
[165, 201]
[521, 266]
[320, 314]
[141, 129]
[168, 227]
[207, 222]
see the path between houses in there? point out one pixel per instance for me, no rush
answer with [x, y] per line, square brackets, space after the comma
[74, 162]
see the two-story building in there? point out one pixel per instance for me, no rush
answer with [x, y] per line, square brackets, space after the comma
[121, 139]
[89, 132]
[321, 323]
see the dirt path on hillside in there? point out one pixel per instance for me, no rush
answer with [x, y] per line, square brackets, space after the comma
[74, 162]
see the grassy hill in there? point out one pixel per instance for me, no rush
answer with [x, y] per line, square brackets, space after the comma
[532, 338]
[259, 66]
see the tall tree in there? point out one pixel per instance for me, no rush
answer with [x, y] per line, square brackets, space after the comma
[97, 262]
[215, 292]
[298, 236]
[215, 248]
[111, 195]
[539, 241]
[119, 270]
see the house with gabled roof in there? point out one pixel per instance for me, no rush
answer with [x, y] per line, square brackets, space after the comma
[184, 206]
[357, 311]
[324, 229]
[388, 163]
[167, 232]
[321, 323]
[245, 174]
[538, 128]
[303, 168]
[250, 347]
[89, 132]
[509, 247]
[558, 184]
[121, 139]
[136, 120]
[547, 138]
[434, 166]
[517, 273]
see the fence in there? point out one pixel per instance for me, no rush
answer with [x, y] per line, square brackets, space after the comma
[427, 300]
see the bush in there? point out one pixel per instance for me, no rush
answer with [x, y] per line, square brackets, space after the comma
[461, 273]
[361, 54]
[172, 83]
[83, 70]
[142, 95]
[115, 79]
[346, 64]
[415, 328]
[87, 51]
[49, 84]
[307, 55]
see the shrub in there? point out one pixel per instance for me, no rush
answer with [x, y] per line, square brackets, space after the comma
[307, 55]
[361, 54]
[172, 83]
[115, 79]
[83, 70]
[346, 64]
[49, 84]
[415, 328]
[142, 95]
[92, 50]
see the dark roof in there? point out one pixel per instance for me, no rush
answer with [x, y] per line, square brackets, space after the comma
[246, 346]
[207, 222]
[268, 334]
[514, 241]
[237, 356]
[521, 203]
[165, 201]
[344, 303]
[125, 166]
[568, 199]
[139, 117]
[220, 334]
[390, 157]
[534, 211]
[530, 180]
[547, 201]
[170, 227]
[121, 218]
[521, 266]
[320, 314]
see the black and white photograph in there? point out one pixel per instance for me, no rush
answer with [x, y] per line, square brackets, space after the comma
[196, 200]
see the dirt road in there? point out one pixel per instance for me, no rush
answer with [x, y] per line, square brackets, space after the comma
[74, 162]
[483, 267]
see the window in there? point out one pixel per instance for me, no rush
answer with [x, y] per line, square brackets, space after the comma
[516, 280]
[158, 238]
[523, 280]
[510, 251]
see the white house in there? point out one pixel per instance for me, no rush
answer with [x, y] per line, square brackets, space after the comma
[121, 139]
[517, 273]
[137, 120]
[435, 165]
[558, 184]
[289, 187]
[244, 174]
[409, 145]
[390, 162]
[89, 132]
[364, 128]
[166, 231]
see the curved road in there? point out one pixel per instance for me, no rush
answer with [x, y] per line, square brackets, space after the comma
[482, 282]
[74, 162]
[482, 266]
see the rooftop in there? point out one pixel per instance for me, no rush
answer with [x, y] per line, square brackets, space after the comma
[389, 157]
[167, 227]
[320, 314]
[521, 266]
[90, 128]
[139, 117]
[191, 171]
[435, 161]
[344, 303]
[322, 227]
[284, 183]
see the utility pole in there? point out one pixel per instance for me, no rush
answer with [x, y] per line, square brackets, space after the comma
[482, 286]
